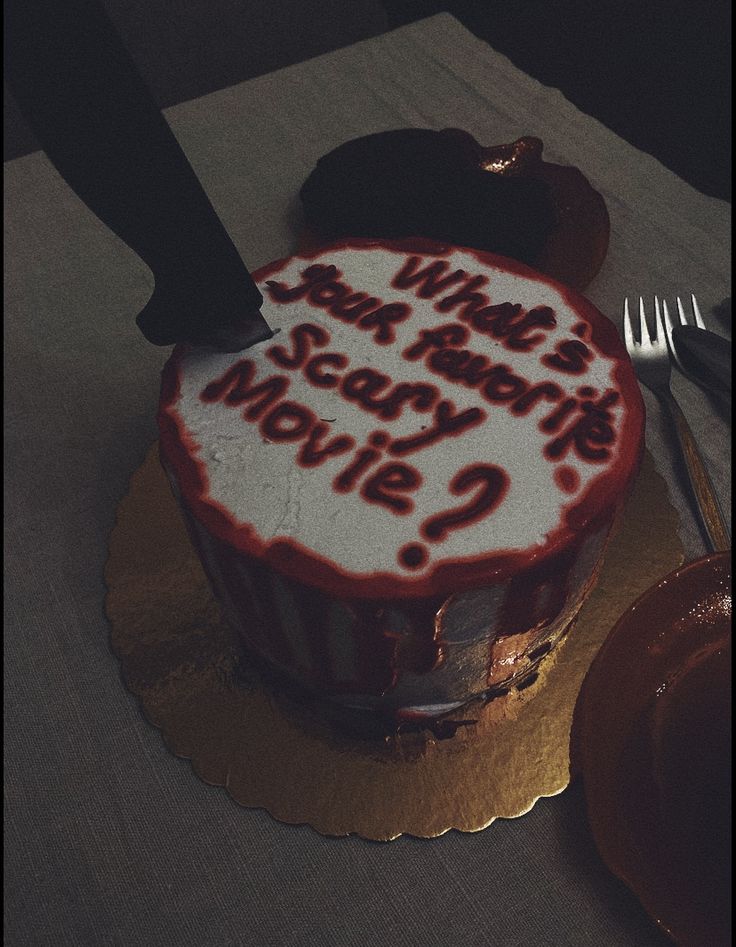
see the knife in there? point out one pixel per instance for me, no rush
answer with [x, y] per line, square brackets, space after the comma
[705, 356]
[94, 117]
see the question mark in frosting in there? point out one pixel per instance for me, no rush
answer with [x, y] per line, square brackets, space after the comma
[490, 483]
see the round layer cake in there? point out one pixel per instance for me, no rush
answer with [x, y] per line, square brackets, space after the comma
[402, 498]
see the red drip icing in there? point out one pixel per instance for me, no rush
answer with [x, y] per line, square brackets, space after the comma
[310, 606]
[523, 608]
[377, 643]
[422, 649]
[258, 613]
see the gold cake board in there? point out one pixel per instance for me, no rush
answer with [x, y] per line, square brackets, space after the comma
[186, 667]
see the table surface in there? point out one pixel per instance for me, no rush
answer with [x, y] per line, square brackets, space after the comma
[109, 838]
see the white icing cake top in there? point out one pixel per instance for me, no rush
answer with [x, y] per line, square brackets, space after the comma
[413, 410]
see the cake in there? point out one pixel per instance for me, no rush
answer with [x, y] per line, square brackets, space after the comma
[403, 497]
[446, 186]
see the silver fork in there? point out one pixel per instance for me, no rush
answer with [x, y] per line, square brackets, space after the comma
[669, 324]
[651, 359]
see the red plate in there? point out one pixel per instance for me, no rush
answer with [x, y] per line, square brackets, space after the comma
[652, 737]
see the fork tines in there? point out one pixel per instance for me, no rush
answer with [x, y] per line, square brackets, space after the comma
[670, 324]
[646, 338]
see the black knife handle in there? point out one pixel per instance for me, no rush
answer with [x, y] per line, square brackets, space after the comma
[80, 92]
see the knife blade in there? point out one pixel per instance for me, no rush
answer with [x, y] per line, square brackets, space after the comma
[705, 356]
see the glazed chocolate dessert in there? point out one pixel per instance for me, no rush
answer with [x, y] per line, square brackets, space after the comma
[447, 187]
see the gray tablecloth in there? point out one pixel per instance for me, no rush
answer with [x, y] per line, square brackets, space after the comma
[109, 838]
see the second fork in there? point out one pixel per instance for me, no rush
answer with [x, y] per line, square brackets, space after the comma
[651, 358]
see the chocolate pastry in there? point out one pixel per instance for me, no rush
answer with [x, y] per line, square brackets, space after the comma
[445, 186]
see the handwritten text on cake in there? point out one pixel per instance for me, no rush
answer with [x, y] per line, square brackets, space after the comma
[377, 469]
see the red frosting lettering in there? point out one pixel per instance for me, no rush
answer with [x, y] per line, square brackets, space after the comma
[387, 484]
[235, 387]
[546, 390]
[439, 338]
[553, 422]
[362, 384]
[412, 556]
[461, 365]
[454, 363]
[465, 367]
[313, 369]
[466, 295]
[509, 322]
[446, 423]
[491, 483]
[287, 422]
[570, 356]
[324, 294]
[352, 307]
[383, 319]
[497, 383]
[567, 479]
[518, 337]
[311, 277]
[590, 434]
[345, 481]
[321, 286]
[506, 321]
[302, 337]
[419, 395]
[493, 320]
[502, 385]
[315, 449]
[428, 279]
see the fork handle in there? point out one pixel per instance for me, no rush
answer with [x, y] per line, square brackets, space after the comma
[705, 495]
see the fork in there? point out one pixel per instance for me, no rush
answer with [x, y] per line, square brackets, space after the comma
[651, 359]
[699, 354]
[670, 324]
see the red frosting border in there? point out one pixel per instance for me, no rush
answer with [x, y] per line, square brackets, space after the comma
[600, 501]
